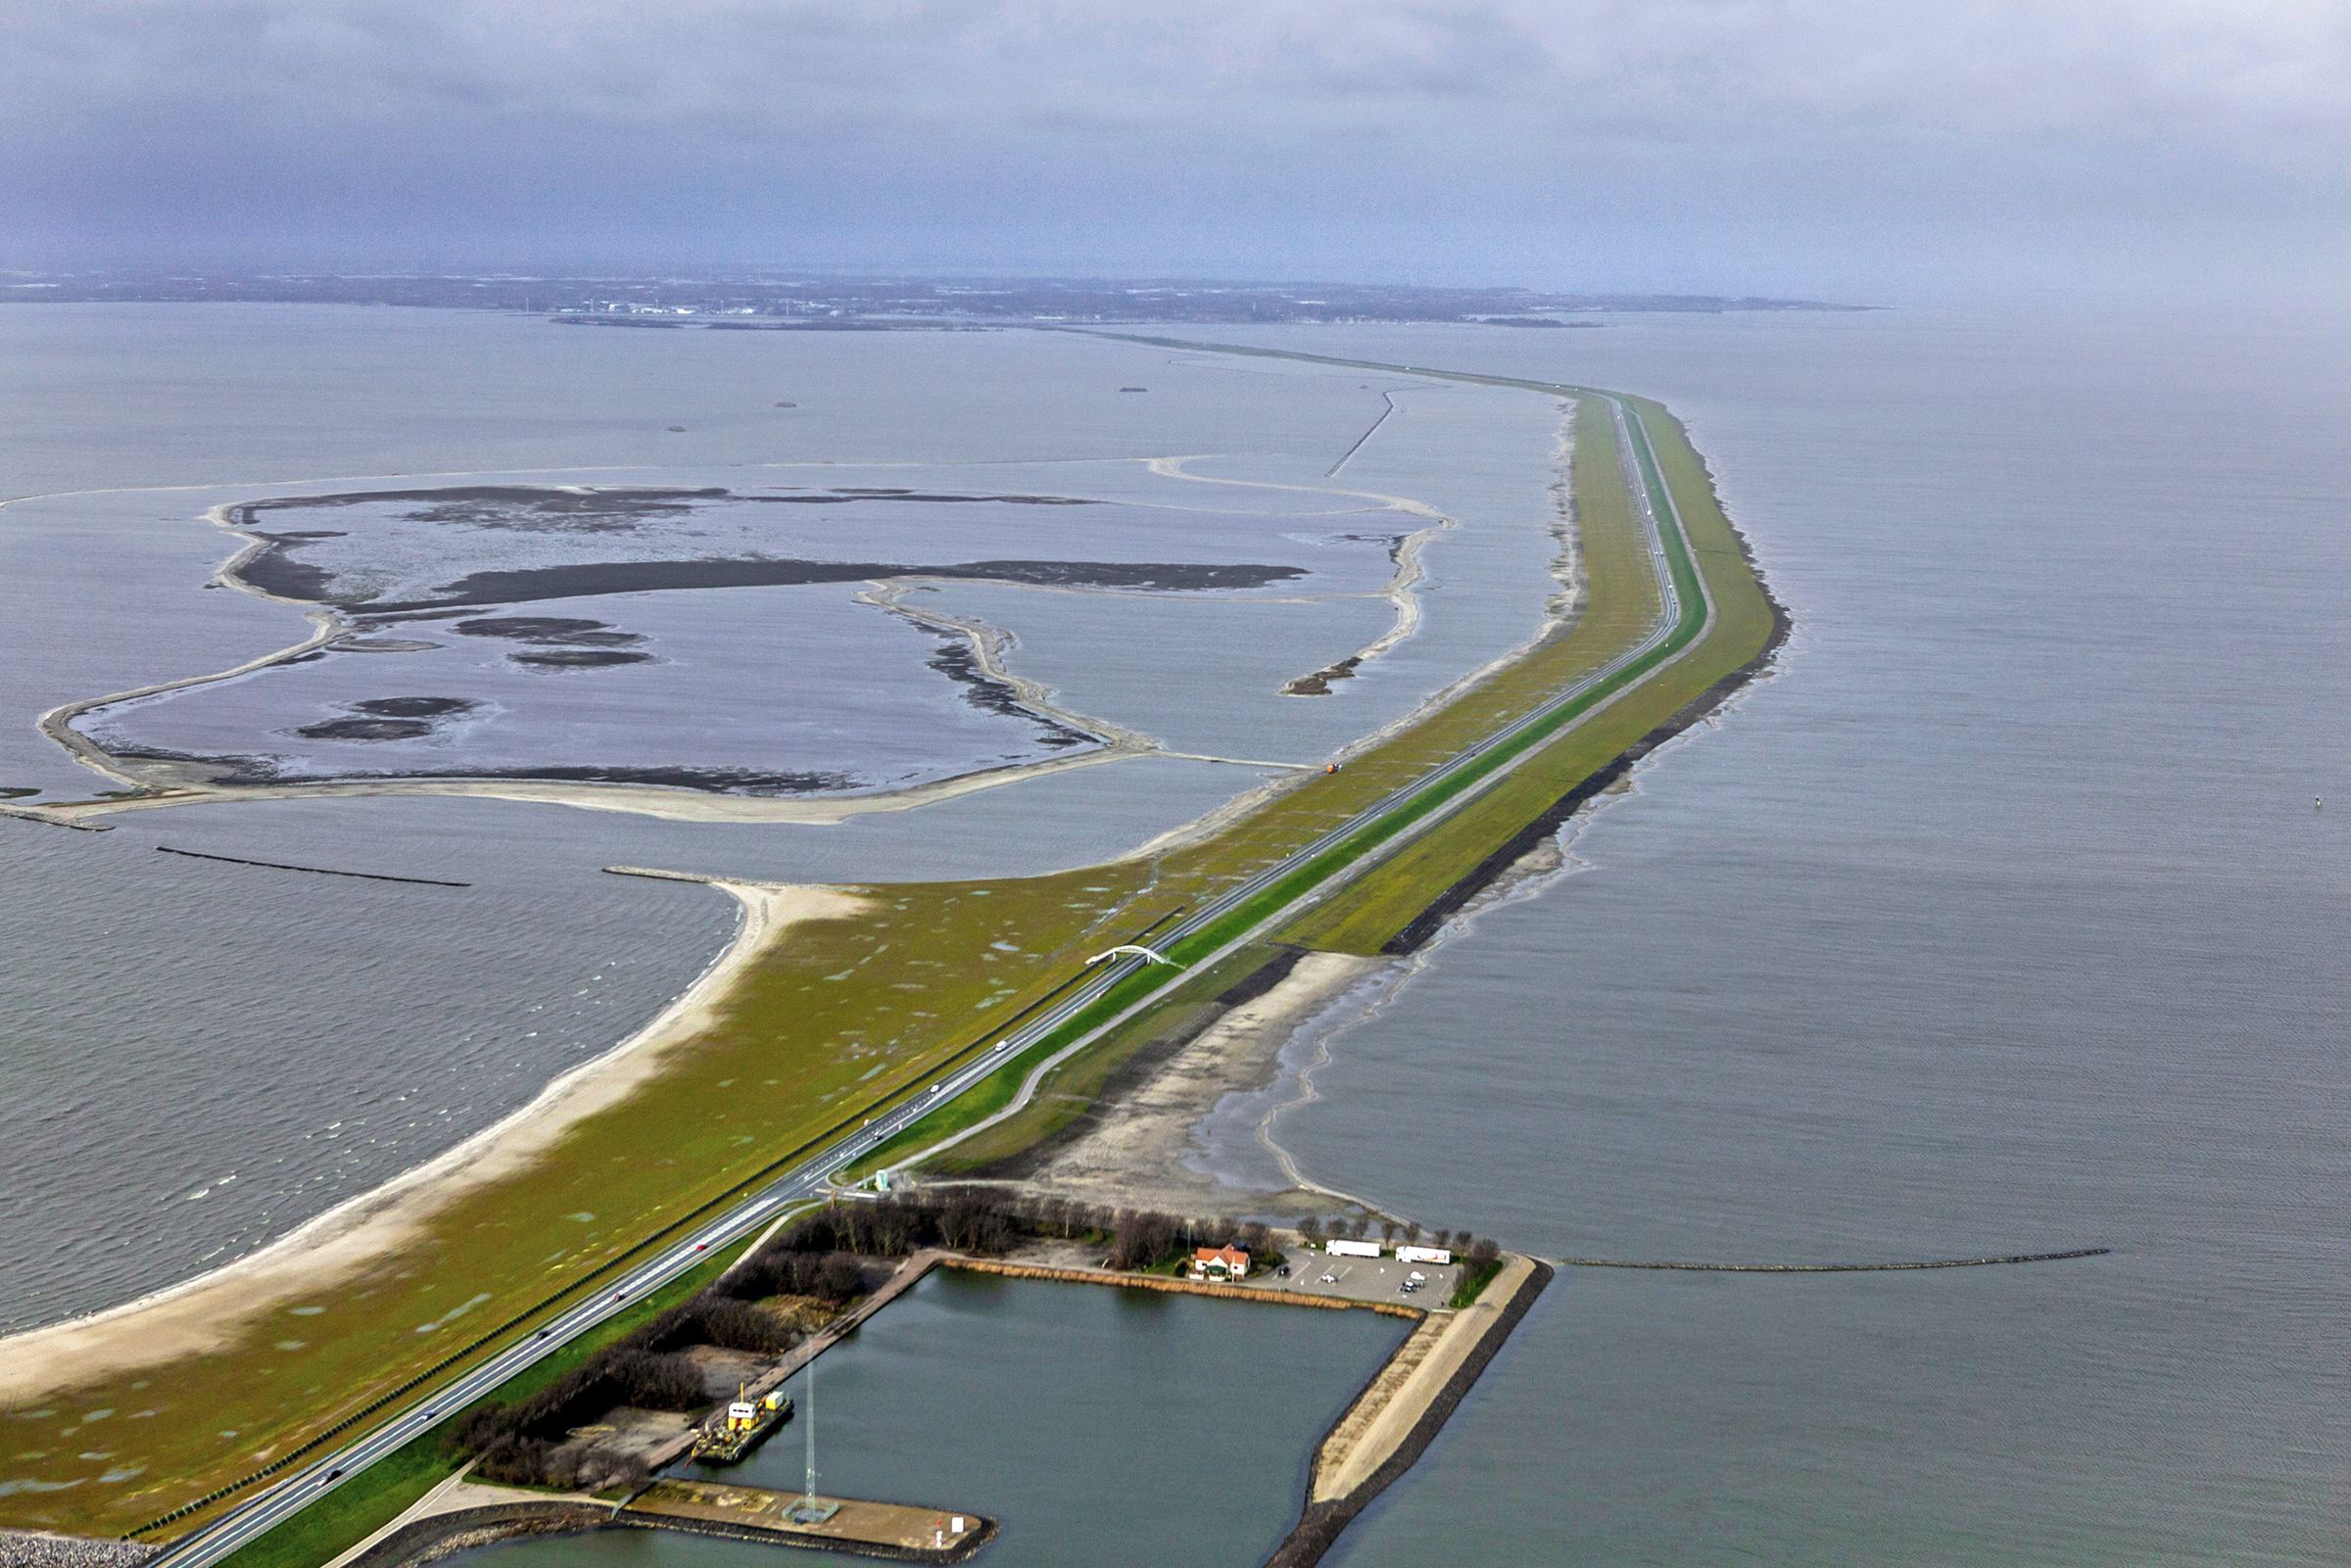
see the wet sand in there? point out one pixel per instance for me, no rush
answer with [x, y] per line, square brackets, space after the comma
[1135, 1141]
[207, 1312]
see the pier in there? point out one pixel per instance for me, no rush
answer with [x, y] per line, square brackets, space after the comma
[462, 1513]
[789, 1519]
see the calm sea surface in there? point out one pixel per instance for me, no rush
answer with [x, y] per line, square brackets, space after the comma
[196, 1058]
[1998, 918]
[1097, 1426]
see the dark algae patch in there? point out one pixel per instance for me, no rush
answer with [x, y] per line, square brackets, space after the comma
[415, 707]
[560, 642]
[278, 568]
[577, 658]
[493, 505]
[722, 781]
[354, 728]
[847, 494]
[955, 661]
[570, 630]
[596, 579]
[388, 719]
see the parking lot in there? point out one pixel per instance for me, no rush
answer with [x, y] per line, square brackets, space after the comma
[1369, 1279]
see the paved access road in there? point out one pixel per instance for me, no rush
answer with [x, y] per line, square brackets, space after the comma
[808, 1180]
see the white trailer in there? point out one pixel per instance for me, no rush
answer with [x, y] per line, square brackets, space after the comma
[1424, 1254]
[1351, 1249]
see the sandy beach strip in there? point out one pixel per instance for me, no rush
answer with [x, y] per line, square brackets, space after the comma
[1135, 1145]
[208, 1312]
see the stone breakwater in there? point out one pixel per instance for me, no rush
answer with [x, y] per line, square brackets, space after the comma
[37, 1548]
[1836, 1268]
[1359, 1458]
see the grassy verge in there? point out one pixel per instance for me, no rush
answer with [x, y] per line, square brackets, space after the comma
[850, 1016]
[1475, 1277]
[1071, 1090]
[380, 1494]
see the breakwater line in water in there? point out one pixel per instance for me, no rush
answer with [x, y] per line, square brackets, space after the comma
[1835, 1269]
[316, 871]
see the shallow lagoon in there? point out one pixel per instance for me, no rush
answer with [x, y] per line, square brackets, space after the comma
[102, 593]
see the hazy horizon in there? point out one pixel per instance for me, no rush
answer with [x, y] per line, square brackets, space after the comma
[1844, 150]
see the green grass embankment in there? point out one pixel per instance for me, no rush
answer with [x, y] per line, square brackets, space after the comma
[1371, 915]
[387, 1489]
[849, 1016]
[1071, 1090]
[845, 1015]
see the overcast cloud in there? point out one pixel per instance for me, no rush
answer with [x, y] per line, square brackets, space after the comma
[1846, 147]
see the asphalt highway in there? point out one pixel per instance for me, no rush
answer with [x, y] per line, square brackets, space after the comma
[810, 1179]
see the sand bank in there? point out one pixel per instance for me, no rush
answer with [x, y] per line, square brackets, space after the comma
[1134, 1142]
[670, 803]
[206, 1314]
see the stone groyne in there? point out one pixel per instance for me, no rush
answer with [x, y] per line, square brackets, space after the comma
[1838, 1268]
[314, 871]
[1385, 1430]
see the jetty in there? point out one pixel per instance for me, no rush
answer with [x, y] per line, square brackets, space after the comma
[794, 1519]
[462, 1514]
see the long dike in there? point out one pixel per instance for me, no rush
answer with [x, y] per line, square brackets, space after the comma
[1395, 821]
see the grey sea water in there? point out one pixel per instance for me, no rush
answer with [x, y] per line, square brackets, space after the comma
[195, 1056]
[2000, 919]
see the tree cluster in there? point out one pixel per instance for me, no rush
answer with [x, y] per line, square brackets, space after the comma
[830, 1277]
[967, 1219]
[518, 1443]
[1140, 1238]
[1477, 1249]
[983, 1220]
[521, 1442]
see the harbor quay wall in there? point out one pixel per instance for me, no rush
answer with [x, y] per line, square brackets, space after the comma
[1186, 1287]
[446, 1535]
[1321, 1524]
[442, 1535]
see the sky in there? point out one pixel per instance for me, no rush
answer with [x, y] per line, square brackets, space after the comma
[1875, 150]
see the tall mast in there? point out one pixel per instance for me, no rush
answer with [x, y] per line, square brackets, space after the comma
[809, 1393]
